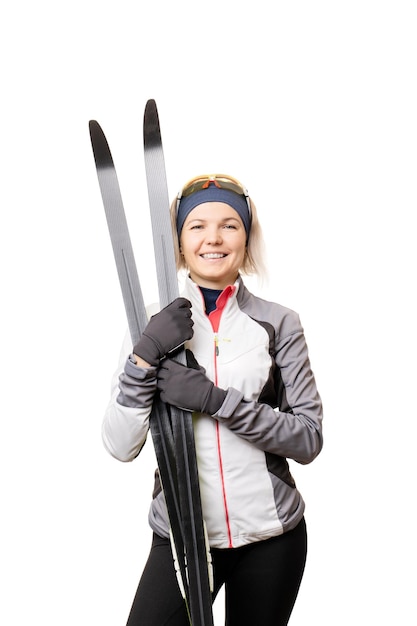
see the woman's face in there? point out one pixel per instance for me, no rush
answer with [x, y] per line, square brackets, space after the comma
[213, 243]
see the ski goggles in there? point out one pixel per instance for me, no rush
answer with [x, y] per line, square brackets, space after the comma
[221, 181]
[212, 188]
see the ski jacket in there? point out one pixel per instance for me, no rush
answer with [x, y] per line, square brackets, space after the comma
[272, 412]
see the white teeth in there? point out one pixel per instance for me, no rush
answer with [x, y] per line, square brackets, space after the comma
[213, 255]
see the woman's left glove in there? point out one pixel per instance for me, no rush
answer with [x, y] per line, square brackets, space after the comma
[188, 388]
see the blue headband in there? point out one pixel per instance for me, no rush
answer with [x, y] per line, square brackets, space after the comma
[213, 194]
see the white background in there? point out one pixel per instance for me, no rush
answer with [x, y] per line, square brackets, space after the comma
[311, 104]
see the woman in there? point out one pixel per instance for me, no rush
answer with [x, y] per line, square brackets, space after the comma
[254, 403]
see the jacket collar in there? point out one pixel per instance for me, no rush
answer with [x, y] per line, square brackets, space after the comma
[193, 293]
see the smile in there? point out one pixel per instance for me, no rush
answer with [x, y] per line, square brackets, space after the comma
[213, 255]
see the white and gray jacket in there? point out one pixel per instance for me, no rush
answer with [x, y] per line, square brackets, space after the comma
[272, 412]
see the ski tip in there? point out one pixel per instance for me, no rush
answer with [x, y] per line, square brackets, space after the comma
[100, 146]
[93, 124]
[151, 117]
[151, 104]
[95, 130]
[151, 128]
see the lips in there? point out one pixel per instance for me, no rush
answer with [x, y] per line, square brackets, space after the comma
[213, 255]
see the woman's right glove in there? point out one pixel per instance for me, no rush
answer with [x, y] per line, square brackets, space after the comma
[188, 387]
[166, 330]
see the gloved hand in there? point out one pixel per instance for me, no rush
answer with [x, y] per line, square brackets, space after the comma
[166, 330]
[188, 388]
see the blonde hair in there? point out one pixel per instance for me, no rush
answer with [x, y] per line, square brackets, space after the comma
[253, 263]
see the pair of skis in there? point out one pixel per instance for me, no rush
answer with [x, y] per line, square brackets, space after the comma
[171, 428]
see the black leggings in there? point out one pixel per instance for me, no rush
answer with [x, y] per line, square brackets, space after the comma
[261, 582]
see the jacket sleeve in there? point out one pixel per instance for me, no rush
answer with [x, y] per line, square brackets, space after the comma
[126, 420]
[293, 430]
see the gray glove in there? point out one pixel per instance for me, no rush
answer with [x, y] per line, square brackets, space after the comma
[188, 388]
[166, 330]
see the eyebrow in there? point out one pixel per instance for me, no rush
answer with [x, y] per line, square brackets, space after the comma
[224, 219]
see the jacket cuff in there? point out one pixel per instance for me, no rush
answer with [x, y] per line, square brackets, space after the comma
[232, 400]
[137, 385]
[139, 373]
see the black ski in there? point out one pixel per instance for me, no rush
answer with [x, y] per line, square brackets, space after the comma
[137, 320]
[196, 544]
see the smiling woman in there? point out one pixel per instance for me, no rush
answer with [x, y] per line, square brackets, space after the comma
[213, 244]
[255, 404]
[219, 188]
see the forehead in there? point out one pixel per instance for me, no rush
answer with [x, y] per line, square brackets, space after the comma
[213, 211]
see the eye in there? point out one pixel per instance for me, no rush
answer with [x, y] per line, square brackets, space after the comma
[229, 226]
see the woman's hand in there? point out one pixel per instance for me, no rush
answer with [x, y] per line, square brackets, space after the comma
[188, 388]
[166, 330]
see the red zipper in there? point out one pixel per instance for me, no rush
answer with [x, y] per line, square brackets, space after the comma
[214, 318]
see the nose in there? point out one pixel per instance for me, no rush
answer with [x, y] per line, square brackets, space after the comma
[213, 235]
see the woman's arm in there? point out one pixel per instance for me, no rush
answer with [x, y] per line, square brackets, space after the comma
[126, 420]
[295, 431]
